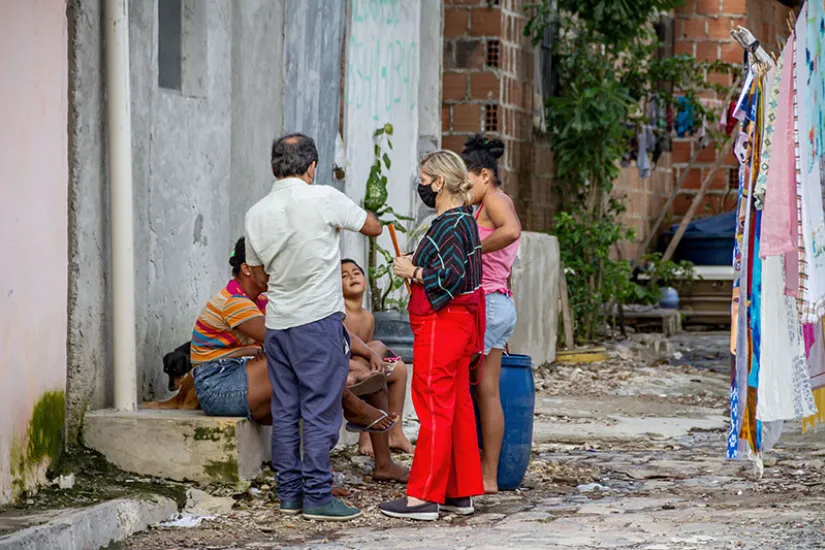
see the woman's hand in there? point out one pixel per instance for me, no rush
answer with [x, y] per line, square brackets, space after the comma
[403, 267]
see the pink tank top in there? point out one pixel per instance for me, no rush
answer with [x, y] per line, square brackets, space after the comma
[496, 266]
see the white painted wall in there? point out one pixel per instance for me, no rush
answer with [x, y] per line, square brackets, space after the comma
[33, 230]
[381, 85]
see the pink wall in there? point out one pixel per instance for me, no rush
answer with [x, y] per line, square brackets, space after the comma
[33, 223]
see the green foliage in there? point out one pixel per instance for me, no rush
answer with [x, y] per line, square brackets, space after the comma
[379, 267]
[660, 274]
[606, 54]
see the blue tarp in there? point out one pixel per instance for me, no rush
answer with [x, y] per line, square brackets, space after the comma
[723, 225]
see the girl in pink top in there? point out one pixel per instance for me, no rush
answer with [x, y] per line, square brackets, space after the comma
[500, 230]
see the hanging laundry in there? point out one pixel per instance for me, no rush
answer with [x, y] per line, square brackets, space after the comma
[642, 161]
[779, 231]
[685, 123]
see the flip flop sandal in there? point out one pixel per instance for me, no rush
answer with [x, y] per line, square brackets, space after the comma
[375, 382]
[358, 428]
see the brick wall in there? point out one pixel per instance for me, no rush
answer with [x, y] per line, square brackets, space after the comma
[488, 87]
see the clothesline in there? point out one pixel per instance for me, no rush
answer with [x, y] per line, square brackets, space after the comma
[779, 256]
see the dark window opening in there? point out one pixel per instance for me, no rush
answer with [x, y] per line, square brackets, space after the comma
[170, 44]
[493, 53]
[491, 118]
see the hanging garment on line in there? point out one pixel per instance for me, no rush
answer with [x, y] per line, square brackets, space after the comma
[783, 357]
[811, 287]
[770, 101]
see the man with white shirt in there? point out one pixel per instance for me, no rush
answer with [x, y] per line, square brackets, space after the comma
[292, 235]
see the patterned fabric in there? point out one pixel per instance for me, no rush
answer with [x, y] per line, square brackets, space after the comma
[215, 334]
[772, 103]
[450, 255]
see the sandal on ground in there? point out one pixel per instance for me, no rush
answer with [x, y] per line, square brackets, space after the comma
[358, 428]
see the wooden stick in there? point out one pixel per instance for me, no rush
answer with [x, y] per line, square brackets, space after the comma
[566, 315]
[394, 237]
[694, 206]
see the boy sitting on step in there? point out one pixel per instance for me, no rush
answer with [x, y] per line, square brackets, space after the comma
[360, 322]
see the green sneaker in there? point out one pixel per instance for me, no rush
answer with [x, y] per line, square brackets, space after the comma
[335, 510]
[291, 508]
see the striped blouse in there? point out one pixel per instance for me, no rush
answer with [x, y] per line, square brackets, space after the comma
[450, 255]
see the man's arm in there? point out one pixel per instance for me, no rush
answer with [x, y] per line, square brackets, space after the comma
[372, 227]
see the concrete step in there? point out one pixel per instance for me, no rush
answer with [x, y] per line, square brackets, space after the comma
[179, 445]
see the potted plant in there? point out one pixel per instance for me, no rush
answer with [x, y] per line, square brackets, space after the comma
[392, 323]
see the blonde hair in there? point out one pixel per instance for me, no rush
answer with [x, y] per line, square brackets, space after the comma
[451, 167]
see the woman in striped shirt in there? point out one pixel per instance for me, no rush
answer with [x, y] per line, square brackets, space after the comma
[447, 317]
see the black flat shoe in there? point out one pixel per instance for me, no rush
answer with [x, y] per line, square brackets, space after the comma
[399, 509]
[460, 506]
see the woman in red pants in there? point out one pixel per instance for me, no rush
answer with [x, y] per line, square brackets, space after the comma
[447, 316]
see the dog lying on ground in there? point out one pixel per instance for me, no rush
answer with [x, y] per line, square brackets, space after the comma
[178, 367]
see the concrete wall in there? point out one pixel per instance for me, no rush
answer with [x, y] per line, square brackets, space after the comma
[381, 86]
[535, 292]
[33, 240]
[201, 158]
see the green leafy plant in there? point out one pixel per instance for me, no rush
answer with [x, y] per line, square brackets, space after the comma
[609, 71]
[383, 283]
[659, 274]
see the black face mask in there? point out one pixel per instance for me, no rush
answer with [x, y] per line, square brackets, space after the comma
[427, 195]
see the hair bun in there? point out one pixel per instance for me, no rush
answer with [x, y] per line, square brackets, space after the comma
[495, 147]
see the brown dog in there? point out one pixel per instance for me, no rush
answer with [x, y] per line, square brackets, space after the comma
[178, 368]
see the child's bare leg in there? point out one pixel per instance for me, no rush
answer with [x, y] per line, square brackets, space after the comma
[397, 395]
[378, 347]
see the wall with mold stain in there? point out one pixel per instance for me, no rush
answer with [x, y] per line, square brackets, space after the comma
[33, 238]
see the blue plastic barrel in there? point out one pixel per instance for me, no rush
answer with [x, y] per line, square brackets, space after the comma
[518, 399]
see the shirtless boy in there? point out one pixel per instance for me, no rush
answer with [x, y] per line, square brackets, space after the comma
[361, 323]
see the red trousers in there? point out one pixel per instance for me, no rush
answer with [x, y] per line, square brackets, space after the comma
[447, 461]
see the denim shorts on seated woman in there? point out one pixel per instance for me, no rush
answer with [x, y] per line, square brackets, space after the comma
[501, 320]
[222, 387]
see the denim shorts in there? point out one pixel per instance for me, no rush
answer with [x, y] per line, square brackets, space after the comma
[501, 320]
[222, 387]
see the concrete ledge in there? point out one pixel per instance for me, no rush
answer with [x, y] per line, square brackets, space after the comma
[180, 445]
[93, 527]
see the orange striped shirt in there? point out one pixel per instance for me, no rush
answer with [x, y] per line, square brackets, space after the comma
[215, 334]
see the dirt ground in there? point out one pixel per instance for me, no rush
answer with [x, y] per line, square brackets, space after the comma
[627, 454]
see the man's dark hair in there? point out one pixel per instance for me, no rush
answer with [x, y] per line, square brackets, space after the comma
[292, 155]
[353, 262]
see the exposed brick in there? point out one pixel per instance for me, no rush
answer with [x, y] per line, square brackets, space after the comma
[707, 155]
[719, 179]
[693, 180]
[735, 6]
[453, 143]
[720, 78]
[694, 28]
[466, 117]
[731, 52]
[445, 118]
[455, 86]
[455, 21]
[681, 152]
[484, 86]
[485, 22]
[684, 47]
[707, 51]
[709, 7]
[731, 159]
[463, 2]
[469, 54]
[719, 28]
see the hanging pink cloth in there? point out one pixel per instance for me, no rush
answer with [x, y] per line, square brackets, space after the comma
[779, 219]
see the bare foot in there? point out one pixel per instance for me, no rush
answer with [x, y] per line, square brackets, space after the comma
[365, 445]
[490, 486]
[394, 473]
[350, 379]
[399, 441]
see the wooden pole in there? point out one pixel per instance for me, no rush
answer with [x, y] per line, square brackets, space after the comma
[694, 206]
[566, 315]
